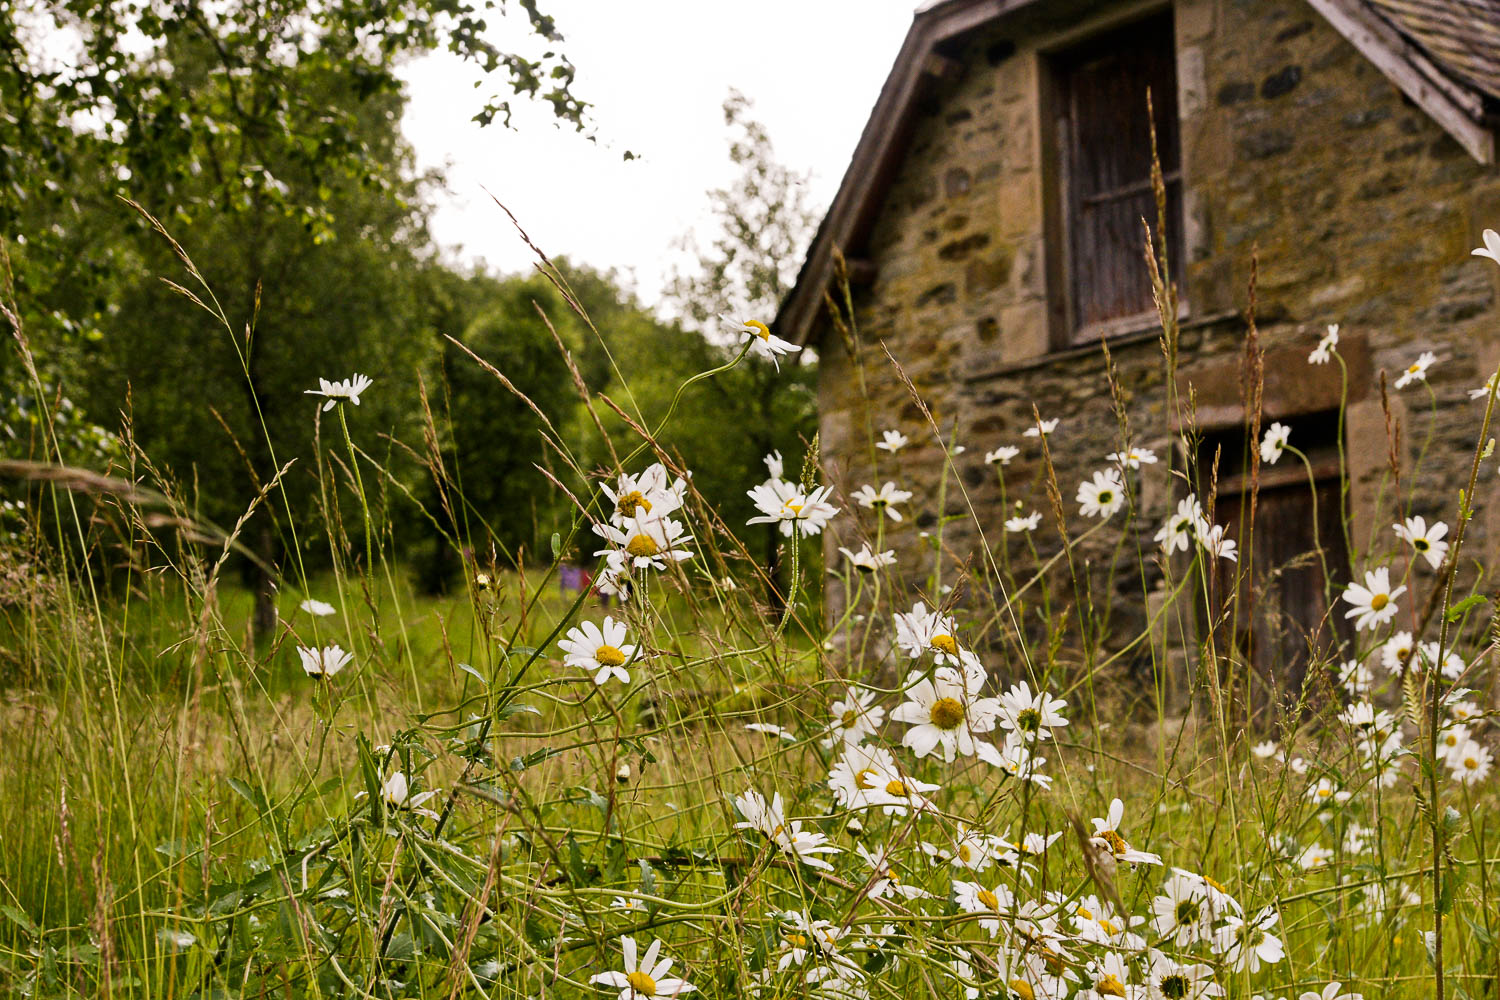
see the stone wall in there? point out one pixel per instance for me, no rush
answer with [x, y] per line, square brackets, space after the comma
[1363, 211]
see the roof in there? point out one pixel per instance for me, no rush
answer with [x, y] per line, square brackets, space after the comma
[1443, 54]
[1461, 36]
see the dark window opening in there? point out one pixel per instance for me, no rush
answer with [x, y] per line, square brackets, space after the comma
[1289, 611]
[1104, 149]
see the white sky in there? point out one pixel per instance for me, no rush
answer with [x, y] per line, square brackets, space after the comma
[657, 73]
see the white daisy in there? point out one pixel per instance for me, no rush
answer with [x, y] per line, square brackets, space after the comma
[1484, 391]
[395, 791]
[1491, 248]
[761, 340]
[1470, 763]
[785, 503]
[1217, 543]
[920, 631]
[1182, 914]
[1002, 455]
[1030, 717]
[1427, 542]
[1101, 496]
[1027, 523]
[644, 541]
[325, 662]
[317, 608]
[1181, 528]
[1395, 650]
[1274, 442]
[349, 388]
[945, 711]
[855, 716]
[883, 499]
[867, 560]
[1109, 977]
[1107, 837]
[1374, 603]
[992, 904]
[644, 979]
[1333, 991]
[1417, 370]
[892, 441]
[1037, 430]
[1249, 944]
[1172, 980]
[1265, 750]
[600, 651]
[1323, 353]
[1315, 856]
[885, 880]
[771, 821]
[1132, 458]
[652, 492]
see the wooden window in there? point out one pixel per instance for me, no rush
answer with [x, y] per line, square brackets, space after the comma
[1288, 607]
[1104, 151]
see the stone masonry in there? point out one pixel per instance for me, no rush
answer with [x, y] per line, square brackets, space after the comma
[1363, 212]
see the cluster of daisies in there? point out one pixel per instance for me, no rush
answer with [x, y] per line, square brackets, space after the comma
[1013, 935]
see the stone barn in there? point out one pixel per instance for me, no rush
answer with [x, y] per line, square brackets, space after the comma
[990, 228]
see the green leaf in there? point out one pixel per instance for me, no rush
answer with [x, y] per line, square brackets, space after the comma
[556, 546]
[474, 673]
[19, 918]
[1472, 601]
[514, 708]
[532, 759]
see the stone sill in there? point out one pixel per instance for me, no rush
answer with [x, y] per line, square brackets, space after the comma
[1144, 335]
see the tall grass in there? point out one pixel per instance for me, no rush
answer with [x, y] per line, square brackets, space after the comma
[465, 810]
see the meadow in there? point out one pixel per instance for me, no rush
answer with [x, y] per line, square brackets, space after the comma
[698, 775]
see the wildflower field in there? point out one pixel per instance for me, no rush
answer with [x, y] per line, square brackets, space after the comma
[694, 774]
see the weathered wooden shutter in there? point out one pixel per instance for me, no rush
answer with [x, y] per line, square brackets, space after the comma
[1108, 165]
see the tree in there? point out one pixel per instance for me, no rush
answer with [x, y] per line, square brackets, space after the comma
[261, 129]
[765, 224]
[490, 447]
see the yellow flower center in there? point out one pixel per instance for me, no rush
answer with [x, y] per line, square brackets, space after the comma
[1215, 883]
[1413, 368]
[761, 330]
[795, 508]
[1110, 927]
[609, 656]
[944, 643]
[1084, 913]
[1421, 544]
[1379, 601]
[1117, 844]
[964, 854]
[1022, 989]
[797, 940]
[1470, 763]
[642, 546]
[848, 718]
[631, 502]
[988, 898]
[1174, 987]
[1324, 792]
[1105, 496]
[862, 779]
[1451, 739]
[895, 788]
[1109, 986]
[643, 984]
[947, 713]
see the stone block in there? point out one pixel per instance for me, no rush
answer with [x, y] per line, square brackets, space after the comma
[1192, 88]
[1024, 331]
[1020, 203]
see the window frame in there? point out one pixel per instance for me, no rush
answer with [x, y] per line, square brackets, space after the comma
[1060, 192]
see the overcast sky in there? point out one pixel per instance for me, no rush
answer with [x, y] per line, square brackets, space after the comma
[656, 73]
